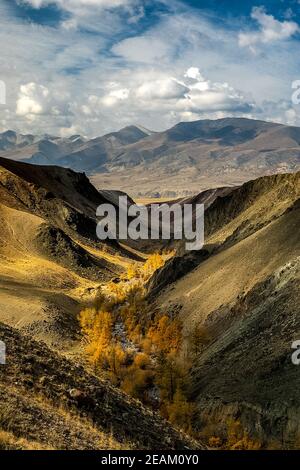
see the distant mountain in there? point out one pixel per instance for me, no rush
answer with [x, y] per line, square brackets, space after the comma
[95, 155]
[74, 152]
[203, 155]
[11, 140]
[189, 157]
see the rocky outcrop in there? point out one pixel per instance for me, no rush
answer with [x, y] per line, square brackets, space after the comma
[246, 372]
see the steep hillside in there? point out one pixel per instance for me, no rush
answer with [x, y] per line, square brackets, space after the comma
[51, 262]
[49, 402]
[243, 291]
[251, 341]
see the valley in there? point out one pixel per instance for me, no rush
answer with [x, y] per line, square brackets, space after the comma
[149, 232]
[196, 344]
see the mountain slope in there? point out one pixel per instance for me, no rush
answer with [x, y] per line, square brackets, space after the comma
[51, 261]
[49, 402]
[252, 341]
[243, 290]
[74, 152]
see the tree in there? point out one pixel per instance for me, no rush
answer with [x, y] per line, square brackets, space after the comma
[165, 334]
[153, 263]
[97, 329]
[181, 412]
[138, 377]
[199, 338]
[133, 271]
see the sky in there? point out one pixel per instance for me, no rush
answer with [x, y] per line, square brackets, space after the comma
[94, 66]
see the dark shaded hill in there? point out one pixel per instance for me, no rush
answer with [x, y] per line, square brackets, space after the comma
[50, 402]
[242, 290]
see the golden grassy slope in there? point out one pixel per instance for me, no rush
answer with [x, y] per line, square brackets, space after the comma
[37, 294]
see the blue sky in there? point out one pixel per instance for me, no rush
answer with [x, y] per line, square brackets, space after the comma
[92, 66]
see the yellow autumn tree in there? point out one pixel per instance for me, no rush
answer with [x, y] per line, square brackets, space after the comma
[138, 377]
[133, 271]
[97, 329]
[153, 263]
[181, 412]
[165, 335]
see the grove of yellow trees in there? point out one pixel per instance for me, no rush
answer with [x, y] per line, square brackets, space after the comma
[137, 353]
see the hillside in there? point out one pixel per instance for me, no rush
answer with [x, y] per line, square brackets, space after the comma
[51, 261]
[51, 268]
[237, 300]
[242, 290]
[49, 402]
[179, 162]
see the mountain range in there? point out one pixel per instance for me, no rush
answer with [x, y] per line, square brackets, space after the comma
[241, 292]
[188, 158]
[242, 288]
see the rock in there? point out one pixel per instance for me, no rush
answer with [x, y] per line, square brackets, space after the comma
[82, 399]
[43, 381]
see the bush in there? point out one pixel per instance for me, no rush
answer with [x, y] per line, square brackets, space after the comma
[181, 412]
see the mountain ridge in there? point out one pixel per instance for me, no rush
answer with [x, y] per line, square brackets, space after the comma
[189, 157]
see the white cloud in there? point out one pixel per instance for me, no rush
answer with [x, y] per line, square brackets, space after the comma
[270, 30]
[36, 100]
[114, 97]
[291, 116]
[163, 89]
[63, 81]
[194, 73]
[93, 15]
[170, 99]
[74, 4]
[146, 49]
[32, 98]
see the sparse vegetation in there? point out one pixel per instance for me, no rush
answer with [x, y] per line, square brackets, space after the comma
[8, 441]
[236, 438]
[140, 354]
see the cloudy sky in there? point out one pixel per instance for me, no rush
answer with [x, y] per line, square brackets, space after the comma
[93, 66]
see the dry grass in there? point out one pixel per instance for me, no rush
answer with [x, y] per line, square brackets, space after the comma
[8, 441]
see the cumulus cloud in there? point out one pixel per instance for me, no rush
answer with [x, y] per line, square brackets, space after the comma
[163, 89]
[36, 100]
[172, 98]
[31, 99]
[114, 97]
[270, 29]
[62, 80]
